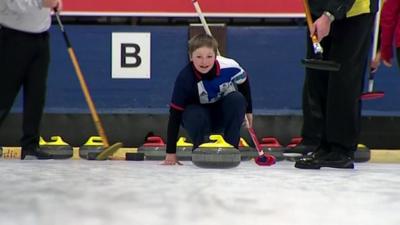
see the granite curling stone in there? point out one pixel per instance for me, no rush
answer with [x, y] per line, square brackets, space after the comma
[54, 149]
[216, 155]
[92, 146]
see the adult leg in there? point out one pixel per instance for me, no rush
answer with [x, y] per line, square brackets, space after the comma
[313, 106]
[196, 121]
[35, 86]
[13, 66]
[314, 96]
[345, 86]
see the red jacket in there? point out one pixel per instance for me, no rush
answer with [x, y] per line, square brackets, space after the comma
[390, 28]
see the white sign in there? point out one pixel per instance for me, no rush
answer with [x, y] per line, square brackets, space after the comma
[130, 57]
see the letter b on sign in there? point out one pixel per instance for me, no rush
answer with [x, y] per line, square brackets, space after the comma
[125, 55]
[131, 55]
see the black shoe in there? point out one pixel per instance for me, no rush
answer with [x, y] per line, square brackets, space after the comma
[323, 158]
[28, 154]
[319, 154]
[34, 153]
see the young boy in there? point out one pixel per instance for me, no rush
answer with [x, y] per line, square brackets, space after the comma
[211, 94]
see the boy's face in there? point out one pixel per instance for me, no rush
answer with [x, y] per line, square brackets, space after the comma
[203, 59]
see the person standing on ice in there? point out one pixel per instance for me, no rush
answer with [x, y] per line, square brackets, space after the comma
[211, 95]
[331, 99]
[24, 62]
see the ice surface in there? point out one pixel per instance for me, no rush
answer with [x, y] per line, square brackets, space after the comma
[81, 192]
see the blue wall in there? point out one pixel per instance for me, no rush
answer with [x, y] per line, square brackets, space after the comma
[271, 56]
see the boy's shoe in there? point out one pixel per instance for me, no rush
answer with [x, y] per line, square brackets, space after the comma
[323, 158]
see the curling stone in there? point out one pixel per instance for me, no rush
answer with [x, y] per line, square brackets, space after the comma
[92, 146]
[246, 152]
[184, 149]
[292, 144]
[362, 154]
[153, 148]
[217, 154]
[55, 149]
[273, 147]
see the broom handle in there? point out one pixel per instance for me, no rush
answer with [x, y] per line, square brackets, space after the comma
[374, 45]
[255, 140]
[83, 84]
[202, 19]
[376, 30]
[314, 37]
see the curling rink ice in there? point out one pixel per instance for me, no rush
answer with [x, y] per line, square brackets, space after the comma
[69, 192]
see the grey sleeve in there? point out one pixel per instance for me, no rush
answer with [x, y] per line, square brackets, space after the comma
[22, 6]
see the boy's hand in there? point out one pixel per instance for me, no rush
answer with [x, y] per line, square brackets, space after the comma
[171, 159]
[248, 120]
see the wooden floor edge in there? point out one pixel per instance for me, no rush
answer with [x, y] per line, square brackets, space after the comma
[377, 155]
[385, 156]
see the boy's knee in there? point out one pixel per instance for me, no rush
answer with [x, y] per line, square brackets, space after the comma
[236, 99]
[235, 102]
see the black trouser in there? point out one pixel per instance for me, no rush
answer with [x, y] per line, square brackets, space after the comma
[331, 100]
[24, 61]
[225, 116]
[398, 56]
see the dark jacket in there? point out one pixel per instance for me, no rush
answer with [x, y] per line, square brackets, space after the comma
[342, 9]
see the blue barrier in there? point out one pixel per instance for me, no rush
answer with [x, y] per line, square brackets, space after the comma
[271, 55]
